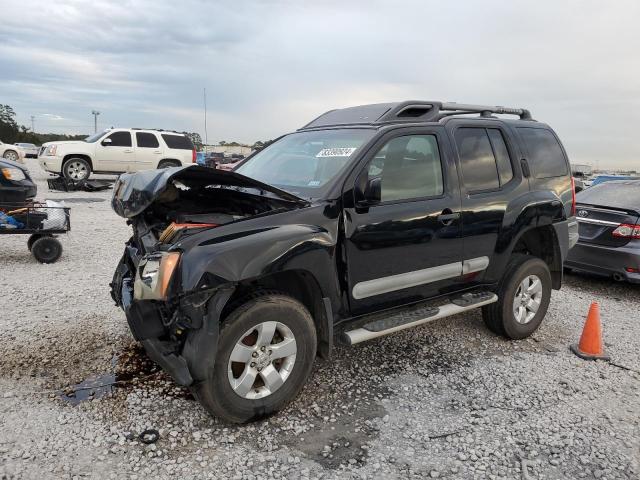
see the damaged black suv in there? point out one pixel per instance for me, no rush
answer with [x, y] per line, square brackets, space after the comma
[366, 221]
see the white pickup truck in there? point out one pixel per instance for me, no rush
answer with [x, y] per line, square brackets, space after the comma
[117, 150]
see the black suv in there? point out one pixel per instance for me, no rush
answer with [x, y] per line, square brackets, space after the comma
[366, 221]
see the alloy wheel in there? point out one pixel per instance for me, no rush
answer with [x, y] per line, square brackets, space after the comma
[527, 299]
[262, 360]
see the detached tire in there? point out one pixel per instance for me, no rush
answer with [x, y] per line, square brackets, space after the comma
[46, 249]
[523, 298]
[266, 350]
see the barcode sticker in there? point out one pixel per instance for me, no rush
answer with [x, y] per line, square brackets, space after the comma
[336, 152]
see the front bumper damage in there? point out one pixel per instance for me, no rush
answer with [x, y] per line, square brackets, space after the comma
[181, 336]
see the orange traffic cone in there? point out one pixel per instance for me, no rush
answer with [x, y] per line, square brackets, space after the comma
[590, 346]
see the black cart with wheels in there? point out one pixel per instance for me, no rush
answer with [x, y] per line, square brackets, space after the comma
[41, 222]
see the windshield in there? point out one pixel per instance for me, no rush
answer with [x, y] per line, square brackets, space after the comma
[305, 163]
[95, 137]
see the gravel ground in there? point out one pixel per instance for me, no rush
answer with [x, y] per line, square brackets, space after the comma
[447, 400]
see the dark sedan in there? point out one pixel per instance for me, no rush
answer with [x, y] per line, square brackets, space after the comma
[16, 186]
[608, 216]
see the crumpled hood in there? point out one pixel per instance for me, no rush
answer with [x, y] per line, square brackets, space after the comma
[135, 192]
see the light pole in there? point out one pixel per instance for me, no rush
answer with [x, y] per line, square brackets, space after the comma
[95, 114]
[33, 124]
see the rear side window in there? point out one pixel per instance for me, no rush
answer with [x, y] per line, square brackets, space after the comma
[177, 141]
[484, 158]
[120, 139]
[147, 140]
[545, 154]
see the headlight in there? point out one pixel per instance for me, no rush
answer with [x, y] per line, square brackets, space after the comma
[14, 174]
[51, 150]
[154, 275]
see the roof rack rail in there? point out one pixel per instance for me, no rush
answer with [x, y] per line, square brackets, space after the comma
[453, 108]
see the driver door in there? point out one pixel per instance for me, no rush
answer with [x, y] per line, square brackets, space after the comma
[406, 247]
[115, 153]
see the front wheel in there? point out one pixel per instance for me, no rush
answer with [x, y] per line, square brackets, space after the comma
[76, 169]
[523, 298]
[266, 350]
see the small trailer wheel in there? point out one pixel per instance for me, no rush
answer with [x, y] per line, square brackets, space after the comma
[46, 249]
[35, 237]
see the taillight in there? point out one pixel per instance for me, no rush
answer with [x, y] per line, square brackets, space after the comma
[194, 156]
[627, 231]
[573, 197]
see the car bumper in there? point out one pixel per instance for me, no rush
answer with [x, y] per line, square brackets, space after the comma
[606, 260]
[186, 352]
[51, 163]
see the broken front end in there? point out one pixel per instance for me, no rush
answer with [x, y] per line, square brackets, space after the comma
[172, 302]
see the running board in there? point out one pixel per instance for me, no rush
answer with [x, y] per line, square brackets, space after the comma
[379, 328]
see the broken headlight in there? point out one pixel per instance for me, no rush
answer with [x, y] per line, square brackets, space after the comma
[153, 276]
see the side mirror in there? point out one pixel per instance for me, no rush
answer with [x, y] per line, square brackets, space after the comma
[106, 142]
[369, 191]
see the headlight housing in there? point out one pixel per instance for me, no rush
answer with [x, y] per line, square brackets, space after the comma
[154, 275]
[51, 150]
[14, 174]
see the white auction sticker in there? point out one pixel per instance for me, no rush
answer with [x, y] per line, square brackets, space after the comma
[336, 152]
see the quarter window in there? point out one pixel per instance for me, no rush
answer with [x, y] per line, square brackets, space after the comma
[484, 158]
[147, 140]
[120, 139]
[545, 154]
[409, 167]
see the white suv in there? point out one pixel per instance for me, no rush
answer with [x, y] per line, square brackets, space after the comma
[117, 150]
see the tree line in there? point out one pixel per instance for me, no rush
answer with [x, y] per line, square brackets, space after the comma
[11, 132]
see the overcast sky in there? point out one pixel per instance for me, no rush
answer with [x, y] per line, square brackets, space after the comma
[271, 66]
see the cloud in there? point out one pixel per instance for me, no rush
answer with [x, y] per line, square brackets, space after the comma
[270, 67]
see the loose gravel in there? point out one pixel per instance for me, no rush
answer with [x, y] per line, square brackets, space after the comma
[447, 400]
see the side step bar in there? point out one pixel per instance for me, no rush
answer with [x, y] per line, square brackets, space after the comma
[379, 328]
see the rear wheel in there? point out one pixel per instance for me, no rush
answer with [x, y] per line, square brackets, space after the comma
[11, 155]
[266, 350]
[76, 169]
[523, 298]
[46, 249]
[168, 163]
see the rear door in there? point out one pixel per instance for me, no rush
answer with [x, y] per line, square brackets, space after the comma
[490, 184]
[148, 150]
[603, 211]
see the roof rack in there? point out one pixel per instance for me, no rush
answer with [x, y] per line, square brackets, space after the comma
[156, 130]
[409, 111]
[453, 108]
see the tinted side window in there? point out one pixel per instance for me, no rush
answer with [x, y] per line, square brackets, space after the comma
[120, 139]
[177, 141]
[545, 155]
[147, 140]
[479, 169]
[505, 171]
[408, 167]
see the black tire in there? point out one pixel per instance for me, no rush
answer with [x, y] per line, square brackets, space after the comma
[76, 169]
[216, 393]
[499, 316]
[35, 237]
[46, 249]
[169, 164]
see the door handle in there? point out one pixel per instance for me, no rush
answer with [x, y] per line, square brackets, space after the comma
[127, 151]
[448, 216]
[157, 151]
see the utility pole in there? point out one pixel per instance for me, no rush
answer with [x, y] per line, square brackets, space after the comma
[206, 136]
[33, 124]
[95, 114]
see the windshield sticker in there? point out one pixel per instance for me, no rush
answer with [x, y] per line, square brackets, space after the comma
[314, 183]
[336, 152]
